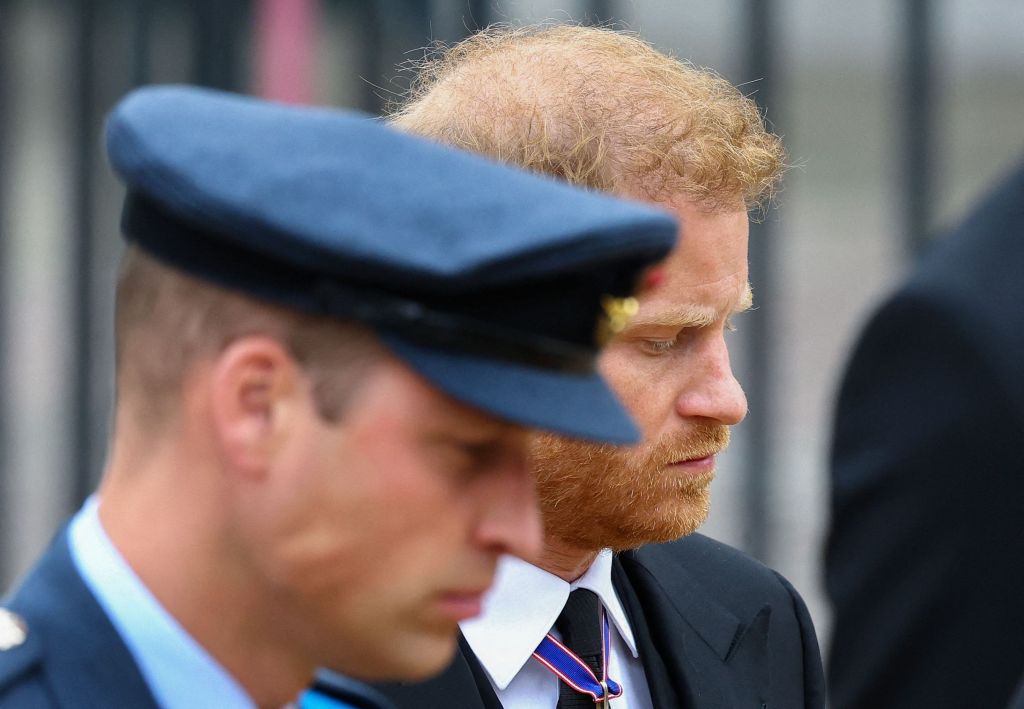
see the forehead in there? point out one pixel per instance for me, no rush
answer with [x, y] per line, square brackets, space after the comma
[708, 266]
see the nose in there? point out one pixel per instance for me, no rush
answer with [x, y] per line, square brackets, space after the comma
[511, 523]
[711, 391]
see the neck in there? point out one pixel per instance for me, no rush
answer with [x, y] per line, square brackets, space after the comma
[175, 537]
[564, 560]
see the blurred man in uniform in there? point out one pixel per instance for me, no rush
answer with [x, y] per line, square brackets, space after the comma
[331, 338]
[614, 607]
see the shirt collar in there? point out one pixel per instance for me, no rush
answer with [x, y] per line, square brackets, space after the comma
[179, 672]
[522, 606]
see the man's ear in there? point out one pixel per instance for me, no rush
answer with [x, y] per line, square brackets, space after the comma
[256, 387]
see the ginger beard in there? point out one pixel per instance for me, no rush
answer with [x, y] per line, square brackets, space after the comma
[595, 496]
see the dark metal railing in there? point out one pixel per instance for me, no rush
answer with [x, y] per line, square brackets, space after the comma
[218, 27]
[5, 330]
[142, 40]
[83, 443]
[218, 32]
[762, 68]
[917, 127]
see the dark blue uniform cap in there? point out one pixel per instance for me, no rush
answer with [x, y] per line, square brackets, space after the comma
[486, 280]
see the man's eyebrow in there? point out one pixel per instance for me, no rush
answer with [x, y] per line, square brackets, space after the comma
[691, 316]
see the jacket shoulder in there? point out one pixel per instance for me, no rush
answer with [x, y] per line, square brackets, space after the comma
[713, 563]
[697, 566]
[732, 600]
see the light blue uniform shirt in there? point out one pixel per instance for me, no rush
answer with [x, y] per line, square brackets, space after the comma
[179, 672]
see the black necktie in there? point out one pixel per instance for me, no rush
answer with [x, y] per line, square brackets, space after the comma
[580, 626]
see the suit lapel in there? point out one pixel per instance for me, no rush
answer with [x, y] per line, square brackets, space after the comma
[665, 686]
[462, 685]
[487, 695]
[85, 660]
[713, 659]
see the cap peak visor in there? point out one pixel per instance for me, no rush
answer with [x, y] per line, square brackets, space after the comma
[580, 405]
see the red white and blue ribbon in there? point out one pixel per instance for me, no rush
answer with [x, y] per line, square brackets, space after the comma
[575, 672]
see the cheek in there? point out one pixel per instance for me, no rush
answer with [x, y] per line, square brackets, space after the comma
[646, 385]
[312, 549]
[324, 502]
[410, 516]
[371, 514]
[620, 367]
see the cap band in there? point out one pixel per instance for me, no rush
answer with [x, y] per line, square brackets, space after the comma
[205, 254]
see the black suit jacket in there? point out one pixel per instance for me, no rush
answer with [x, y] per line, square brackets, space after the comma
[714, 628]
[924, 559]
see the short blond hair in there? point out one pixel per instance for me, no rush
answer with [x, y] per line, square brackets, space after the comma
[166, 321]
[598, 108]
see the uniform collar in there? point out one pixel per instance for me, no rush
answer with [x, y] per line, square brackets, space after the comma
[521, 608]
[179, 672]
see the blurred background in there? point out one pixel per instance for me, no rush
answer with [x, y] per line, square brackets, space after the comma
[896, 114]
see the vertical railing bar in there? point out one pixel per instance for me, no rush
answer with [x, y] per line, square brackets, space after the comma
[5, 552]
[142, 34]
[599, 12]
[216, 26]
[83, 253]
[371, 20]
[760, 63]
[917, 128]
[480, 15]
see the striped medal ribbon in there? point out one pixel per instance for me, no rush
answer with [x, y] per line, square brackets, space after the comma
[569, 668]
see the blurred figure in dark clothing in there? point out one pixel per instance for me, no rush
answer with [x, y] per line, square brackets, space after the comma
[923, 561]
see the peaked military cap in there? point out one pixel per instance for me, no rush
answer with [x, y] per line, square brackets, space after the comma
[486, 280]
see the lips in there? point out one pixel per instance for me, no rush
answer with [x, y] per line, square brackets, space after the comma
[698, 448]
[695, 459]
[461, 605]
[703, 463]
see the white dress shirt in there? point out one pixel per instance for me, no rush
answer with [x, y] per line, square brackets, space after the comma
[179, 672]
[521, 608]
